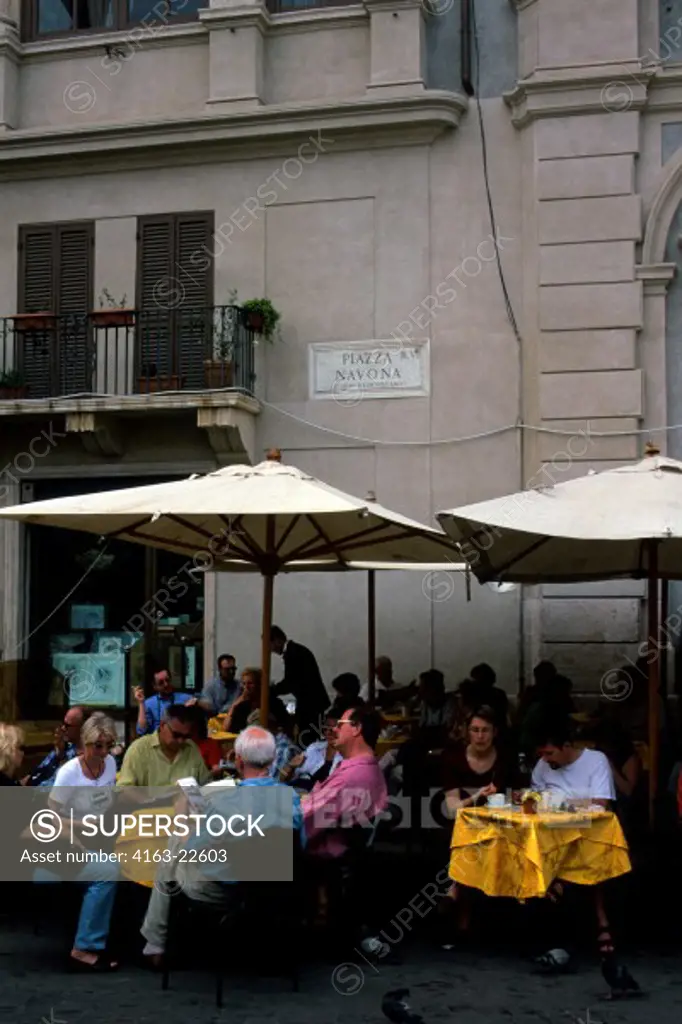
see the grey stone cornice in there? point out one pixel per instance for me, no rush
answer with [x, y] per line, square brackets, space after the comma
[269, 130]
[655, 277]
[561, 92]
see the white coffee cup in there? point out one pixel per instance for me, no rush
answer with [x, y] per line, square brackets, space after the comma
[496, 800]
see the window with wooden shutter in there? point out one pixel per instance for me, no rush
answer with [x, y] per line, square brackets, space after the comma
[175, 296]
[56, 276]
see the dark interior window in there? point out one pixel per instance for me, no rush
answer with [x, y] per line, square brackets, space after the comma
[54, 17]
[70, 15]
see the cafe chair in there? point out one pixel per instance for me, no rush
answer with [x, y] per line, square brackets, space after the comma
[246, 905]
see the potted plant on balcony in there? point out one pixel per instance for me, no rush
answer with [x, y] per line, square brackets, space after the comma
[12, 385]
[151, 381]
[261, 317]
[218, 370]
[112, 313]
[34, 321]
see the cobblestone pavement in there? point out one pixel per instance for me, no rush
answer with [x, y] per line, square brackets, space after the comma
[464, 987]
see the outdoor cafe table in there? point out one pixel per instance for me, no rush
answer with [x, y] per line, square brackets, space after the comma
[137, 852]
[505, 852]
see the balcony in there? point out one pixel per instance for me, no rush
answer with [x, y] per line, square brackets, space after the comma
[126, 352]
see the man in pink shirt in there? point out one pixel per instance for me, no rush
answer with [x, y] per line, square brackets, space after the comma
[354, 794]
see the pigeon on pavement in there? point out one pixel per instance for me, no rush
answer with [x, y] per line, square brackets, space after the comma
[397, 1010]
[618, 978]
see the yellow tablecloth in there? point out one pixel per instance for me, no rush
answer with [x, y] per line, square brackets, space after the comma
[509, 853]
[140, 871]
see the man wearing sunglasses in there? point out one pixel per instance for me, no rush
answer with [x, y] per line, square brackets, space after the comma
[167, 755]
[356, 791]
[67, 739]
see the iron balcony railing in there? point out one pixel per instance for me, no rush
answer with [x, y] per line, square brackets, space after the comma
[126, 352]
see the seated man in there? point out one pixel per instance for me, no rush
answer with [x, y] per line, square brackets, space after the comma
[581, 775]
[67, 740]
[354, 793]
[220, 693]
[564, 768]
[254, 754]
[346, 689]
[167, 755]
[390, 695]
[150, 710]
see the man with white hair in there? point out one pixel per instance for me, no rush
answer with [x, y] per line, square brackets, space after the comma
[254, 754]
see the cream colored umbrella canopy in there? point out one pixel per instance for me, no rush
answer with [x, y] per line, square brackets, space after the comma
[265, 516]
[599, 526]
[622, 523]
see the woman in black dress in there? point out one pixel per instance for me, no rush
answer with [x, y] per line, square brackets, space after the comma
[472, 770]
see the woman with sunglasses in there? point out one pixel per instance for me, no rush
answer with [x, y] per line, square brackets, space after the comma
[83, 785]
[11, 754]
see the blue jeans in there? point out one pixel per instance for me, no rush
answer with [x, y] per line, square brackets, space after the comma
[98, 902]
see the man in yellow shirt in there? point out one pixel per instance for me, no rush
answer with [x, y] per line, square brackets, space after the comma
[166, 755]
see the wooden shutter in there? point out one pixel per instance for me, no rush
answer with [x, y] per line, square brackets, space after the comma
[194, 258]
[73, 289]
[55, 275]
[175, 293]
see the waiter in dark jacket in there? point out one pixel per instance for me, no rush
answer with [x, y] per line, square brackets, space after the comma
[302, 679]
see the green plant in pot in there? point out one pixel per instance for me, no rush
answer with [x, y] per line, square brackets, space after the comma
[12, 384]
[262, 317]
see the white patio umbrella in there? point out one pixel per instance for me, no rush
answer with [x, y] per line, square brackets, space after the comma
[623, 522]
[266, 516]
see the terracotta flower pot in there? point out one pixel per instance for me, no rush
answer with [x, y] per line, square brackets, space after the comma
[254, 320]
[218, 374]
[113, 318]
[165, 382]
[34, 321]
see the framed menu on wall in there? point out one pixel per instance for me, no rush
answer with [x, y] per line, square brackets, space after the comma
[97, 680]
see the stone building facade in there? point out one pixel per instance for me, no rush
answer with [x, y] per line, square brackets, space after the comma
[467, 215]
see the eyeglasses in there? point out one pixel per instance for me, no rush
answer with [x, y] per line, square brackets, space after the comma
[179, 735]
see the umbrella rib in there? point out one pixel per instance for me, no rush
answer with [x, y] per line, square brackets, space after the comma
[127, 529]
[242, 533]
[292, 524]
[302, 550]
[330, 544]
[179, 545]
[349, 542]
[524, 554]
[189, 525]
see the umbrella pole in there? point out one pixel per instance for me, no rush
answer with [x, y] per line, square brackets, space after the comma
[654, 676]
[371, 634]
[268, 587]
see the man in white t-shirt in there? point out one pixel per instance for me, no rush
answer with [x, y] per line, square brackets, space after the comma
[581, 774]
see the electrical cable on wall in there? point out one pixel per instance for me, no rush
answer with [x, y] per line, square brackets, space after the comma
[486, 178]
[63, 601]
